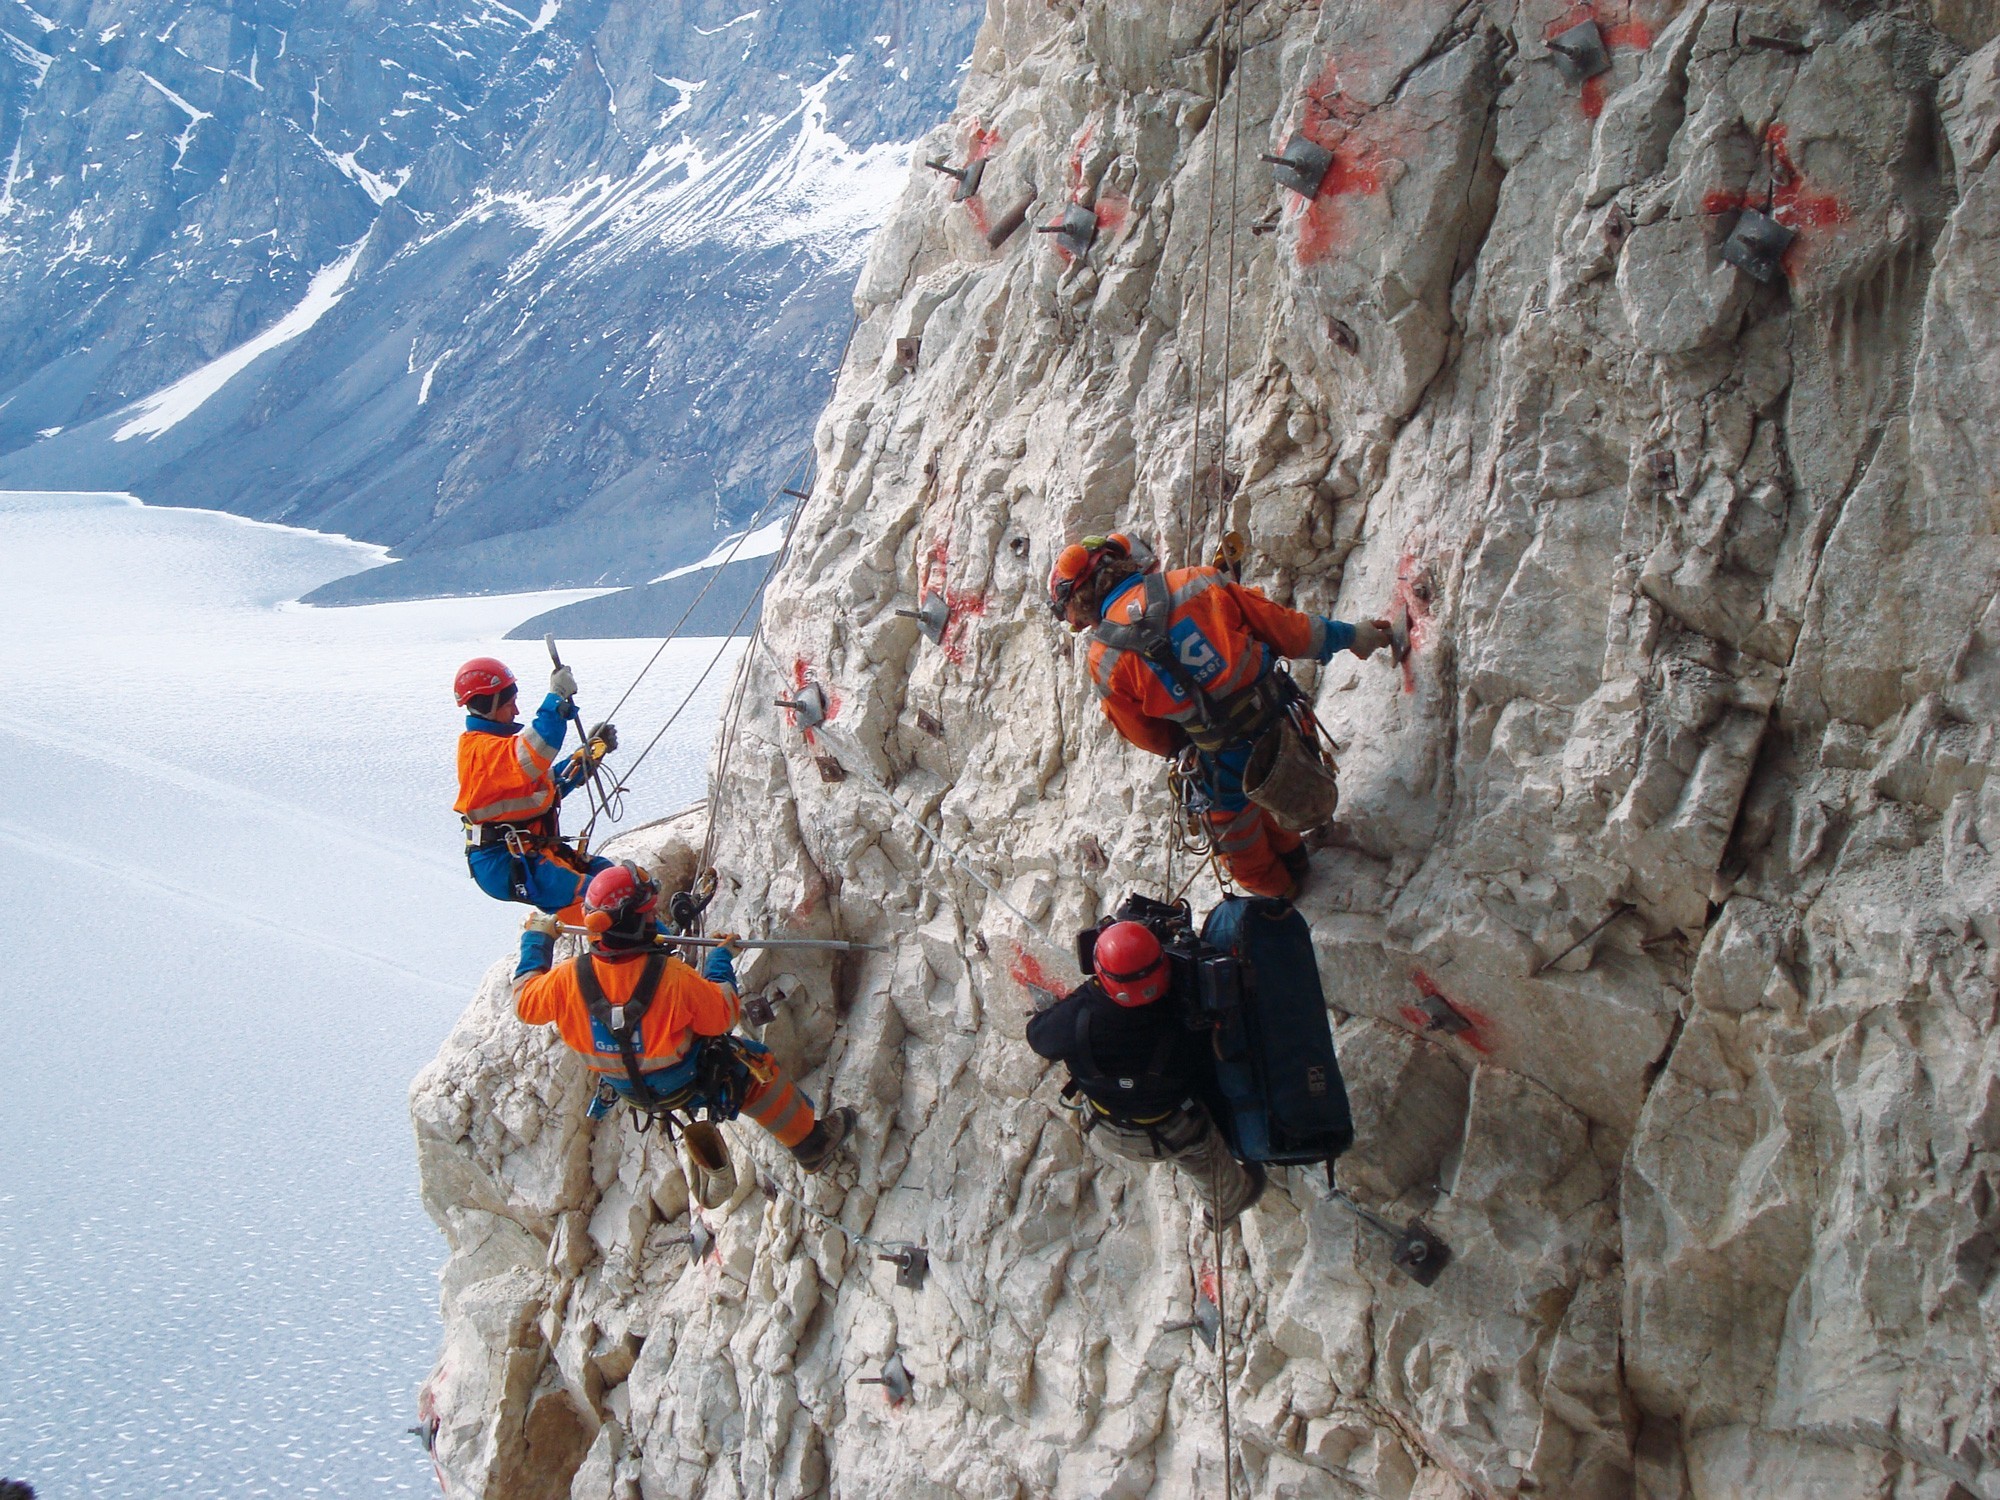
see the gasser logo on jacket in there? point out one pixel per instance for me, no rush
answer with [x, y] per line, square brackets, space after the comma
[600, 1034]
[1196, 653]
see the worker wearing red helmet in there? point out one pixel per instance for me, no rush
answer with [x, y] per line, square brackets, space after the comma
[1143, 1080]
[641, 1019]
[510, 788]
[1214, 683]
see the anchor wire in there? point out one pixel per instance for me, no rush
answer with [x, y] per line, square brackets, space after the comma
[791, 525]
[1221, 1326]
[916, 820]
[1229, 283]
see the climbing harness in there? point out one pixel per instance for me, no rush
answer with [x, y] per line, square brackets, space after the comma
[525, 842]
[1218, 722]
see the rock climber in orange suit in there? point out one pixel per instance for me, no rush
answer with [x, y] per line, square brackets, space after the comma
[1209, 679]
[643, 1021]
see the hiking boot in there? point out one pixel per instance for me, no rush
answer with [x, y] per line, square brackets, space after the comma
[1259, 1180]
[817, 1149]
[710, 1173]
[1298, 864]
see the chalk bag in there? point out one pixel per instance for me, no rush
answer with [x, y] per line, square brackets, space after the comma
[1291, 779]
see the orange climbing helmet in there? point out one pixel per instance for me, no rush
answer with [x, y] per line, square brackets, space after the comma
[1077, 562]
[1131, 966]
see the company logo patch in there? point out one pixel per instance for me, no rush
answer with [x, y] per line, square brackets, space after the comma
[1316, 1081]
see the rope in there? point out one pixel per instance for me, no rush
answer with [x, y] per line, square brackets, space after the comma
[1221, 1323]
[714, 574]
[936, 840]
[784, 487]
[1229, 281]
[728, 640]
[1207, 273]
[774, 1189]
[784, 545]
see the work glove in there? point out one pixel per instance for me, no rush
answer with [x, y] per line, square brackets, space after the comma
[1370, 636]
[562, 682]
[720, 967]
[603, 740]
[538, 945]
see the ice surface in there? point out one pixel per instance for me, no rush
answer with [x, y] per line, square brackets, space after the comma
[237, 923]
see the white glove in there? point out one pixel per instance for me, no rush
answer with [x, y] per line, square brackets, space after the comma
[562, 682]
[543, 923]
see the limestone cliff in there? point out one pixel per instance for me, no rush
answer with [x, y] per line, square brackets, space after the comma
[1701, 572]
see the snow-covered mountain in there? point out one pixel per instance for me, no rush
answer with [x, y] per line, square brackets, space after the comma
[531, 298]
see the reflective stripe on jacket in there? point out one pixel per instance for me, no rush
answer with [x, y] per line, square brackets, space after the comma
[503, 769]
[684, 1007]
[1224, 636]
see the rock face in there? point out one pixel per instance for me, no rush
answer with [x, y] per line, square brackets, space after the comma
[588, 261]
[1701, 574]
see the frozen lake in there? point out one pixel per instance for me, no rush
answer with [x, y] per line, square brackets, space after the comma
[236, 924]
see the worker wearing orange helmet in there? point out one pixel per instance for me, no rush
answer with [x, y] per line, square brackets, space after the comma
[658, 1035]
[1142, 1079]
[1190, 657]
[510, 788]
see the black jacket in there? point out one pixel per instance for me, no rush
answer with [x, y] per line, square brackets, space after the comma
[1138, 1060]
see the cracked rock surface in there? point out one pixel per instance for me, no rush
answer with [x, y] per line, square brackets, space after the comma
[1703, 586]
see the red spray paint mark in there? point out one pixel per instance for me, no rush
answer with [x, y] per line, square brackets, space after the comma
[960, 604]
[1210, 1287]
[980, 145]
[802, 674]
[1630, 34]
[962, 607]
[1029, 973]
[1333, 120]
[1789, 202]
[1427, 987]
[427, 1414]
[1412, 597]
[1113, 209]
[1076, 151]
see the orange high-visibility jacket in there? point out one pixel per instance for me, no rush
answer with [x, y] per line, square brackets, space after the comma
[504, 777]
[1224, 635]
[686, 1006]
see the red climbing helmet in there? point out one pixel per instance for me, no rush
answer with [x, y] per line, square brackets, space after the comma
[622, 896]
[1078, 561]
[480, 678]
[1129, 963]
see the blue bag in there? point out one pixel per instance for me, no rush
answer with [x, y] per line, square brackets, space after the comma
[1284, 1099]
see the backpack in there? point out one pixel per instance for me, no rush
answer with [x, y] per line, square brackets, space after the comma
[1285, 1101]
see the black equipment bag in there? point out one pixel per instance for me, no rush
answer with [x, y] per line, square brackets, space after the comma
[1285, 1101]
